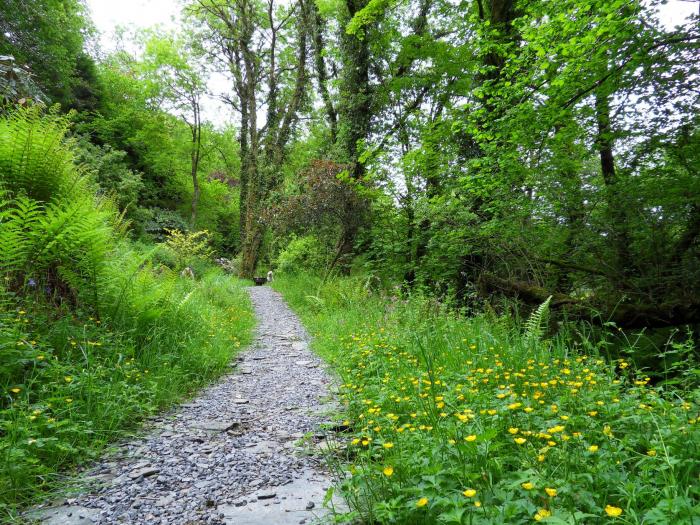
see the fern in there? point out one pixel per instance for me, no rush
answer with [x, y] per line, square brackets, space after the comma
[52, 226]
[18, 218]
[536, 323]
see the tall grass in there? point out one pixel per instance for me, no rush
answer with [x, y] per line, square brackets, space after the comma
[478, 421]
[94, 333]
[73, 382]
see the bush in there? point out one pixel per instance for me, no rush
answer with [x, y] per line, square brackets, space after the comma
[56, 233]
[161, 221]
[111, 172]
[190, 249]
[95, 331]
[303, 254]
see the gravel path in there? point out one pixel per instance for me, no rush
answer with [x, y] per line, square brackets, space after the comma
[232, 455]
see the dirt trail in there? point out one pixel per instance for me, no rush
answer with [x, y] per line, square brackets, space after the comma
[230, 456]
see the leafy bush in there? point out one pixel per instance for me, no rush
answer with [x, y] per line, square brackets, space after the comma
[110, 170]
[477, 421]
[56, 233]
[190, 249]
[95, 332]
[303, 254]
[161, 221]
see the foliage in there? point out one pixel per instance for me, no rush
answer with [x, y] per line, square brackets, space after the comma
[48, 37]
[303, 254]
[465, 420]
[188, 247]
[16, 83]
[534, 326]
[94, 333]
[56, 233]
[111, 170]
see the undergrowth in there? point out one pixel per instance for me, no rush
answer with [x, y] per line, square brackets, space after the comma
[95, 332]
[477, 421]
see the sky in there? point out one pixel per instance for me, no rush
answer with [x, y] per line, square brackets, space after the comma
[110, 14]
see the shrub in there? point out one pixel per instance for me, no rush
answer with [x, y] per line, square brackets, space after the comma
[190, 249]
[303, 254]
[95, 332]
[56, 234]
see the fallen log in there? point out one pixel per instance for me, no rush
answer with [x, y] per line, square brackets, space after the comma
[624, 315]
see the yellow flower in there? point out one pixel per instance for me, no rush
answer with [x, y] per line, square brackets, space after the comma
[527, 485]
[68, 379]
[651, 453]
[520, 441]
[550, 492]
[470, 438]
[422, 502]
[477, 504]
[613, 511]
[365, 442]
[593, 448]
[15, 390]
[40, 358]
[540, 458]
[388, 445]
[513, 430]
[542, 513]
[469, 493]
[388, 471]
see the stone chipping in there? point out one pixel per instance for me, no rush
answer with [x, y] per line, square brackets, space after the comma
[237, 454]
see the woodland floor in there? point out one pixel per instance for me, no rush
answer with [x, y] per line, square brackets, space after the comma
[246, 451]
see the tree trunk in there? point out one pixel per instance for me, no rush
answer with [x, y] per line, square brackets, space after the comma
[616, 204]
[251, 250]
[623, 315]
[195, 154]
[354, 119]
[243, 191]
[321, 71]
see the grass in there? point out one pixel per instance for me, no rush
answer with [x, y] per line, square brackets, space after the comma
[71, 383]
[476, 421]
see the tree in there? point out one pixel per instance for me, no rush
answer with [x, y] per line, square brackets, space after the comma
[267, 60]
[48, 37]
[179, 79]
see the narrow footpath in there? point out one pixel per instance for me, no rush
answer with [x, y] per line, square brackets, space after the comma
[237, 454]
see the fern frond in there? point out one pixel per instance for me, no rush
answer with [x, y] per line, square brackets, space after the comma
[536, 323]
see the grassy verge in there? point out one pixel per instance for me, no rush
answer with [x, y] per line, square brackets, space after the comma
[474, 421]
[71, 383]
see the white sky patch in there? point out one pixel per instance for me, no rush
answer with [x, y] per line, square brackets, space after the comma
[108, 15]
